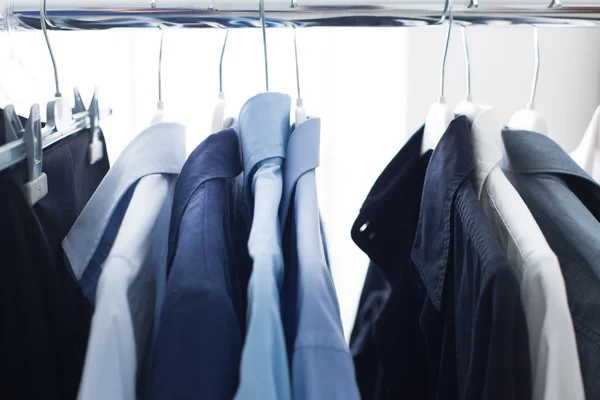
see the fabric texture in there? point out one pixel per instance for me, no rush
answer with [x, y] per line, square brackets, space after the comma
[202, 327]
[387, 344]
[314, 334]
[41, 353]
[553, 349]
[117, 248]
[565, 203]
[48, 315]
[473, 320]
[71, 183]
[453, 326]
[264, 130]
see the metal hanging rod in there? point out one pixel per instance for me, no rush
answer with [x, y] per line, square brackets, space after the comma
[104, 14]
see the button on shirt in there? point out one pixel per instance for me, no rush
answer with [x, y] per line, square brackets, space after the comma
[473, 320]
[388, 347]
[321, 365]
[201, 333]
[565, 203]
[117, 250]
[551, 336]
[264, 129]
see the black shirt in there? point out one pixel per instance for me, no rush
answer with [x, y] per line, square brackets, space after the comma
[388, 315]
[33, 308]
[45, 316]
[472, 320]
[453, 326]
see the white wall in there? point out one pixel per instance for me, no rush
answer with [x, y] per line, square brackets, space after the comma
[371, 87]
[502, 63]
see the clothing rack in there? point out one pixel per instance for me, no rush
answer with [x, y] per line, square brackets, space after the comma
[105, 14]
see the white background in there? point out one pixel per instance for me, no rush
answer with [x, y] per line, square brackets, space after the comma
[370, 86]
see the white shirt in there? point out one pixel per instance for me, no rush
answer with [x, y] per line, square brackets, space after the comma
[552, 346]
[117, 249]
[586, 153]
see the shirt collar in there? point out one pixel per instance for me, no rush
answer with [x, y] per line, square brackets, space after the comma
[217, 157]
[159, 149]
[264, 129]
[487, 146]
[451, 163]
[530, 152]
[302, 155]
[394, 199]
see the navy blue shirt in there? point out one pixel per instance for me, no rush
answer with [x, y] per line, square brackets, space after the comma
[472, 320]
[453, 326]
[45, 316]
[387, 346]
[201, 331]
[565, 202]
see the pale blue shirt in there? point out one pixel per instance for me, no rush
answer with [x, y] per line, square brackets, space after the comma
[117, 250]
[322, 366]
[264, 131]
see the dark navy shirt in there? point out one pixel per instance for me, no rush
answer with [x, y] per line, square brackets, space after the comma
[46, 318]
[472, 320]
[387, 345]
[201, 332]
[453, 326]
[565, 202]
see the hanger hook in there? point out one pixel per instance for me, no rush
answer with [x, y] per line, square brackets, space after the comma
[536, 72]
[43, 21]
[297, 68]
[443, 17]
[445, 56]
[221, 61]
[467, 59]
[261, 4]
[160, 54]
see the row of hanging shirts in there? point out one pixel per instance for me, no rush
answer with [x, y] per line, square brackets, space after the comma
[161, 275]
[483, 242]
[171, 300]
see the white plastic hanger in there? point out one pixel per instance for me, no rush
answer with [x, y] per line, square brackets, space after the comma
[300, 114]
[486, 127]
[159, 114]
[60, 119]
[584, 153]
[439, 115]
[58, 111]
[529, 118]
[218, 118]
[467, 107]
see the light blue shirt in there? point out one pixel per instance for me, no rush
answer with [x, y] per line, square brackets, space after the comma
[264, 131]
[117, 250]
[322, 367]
